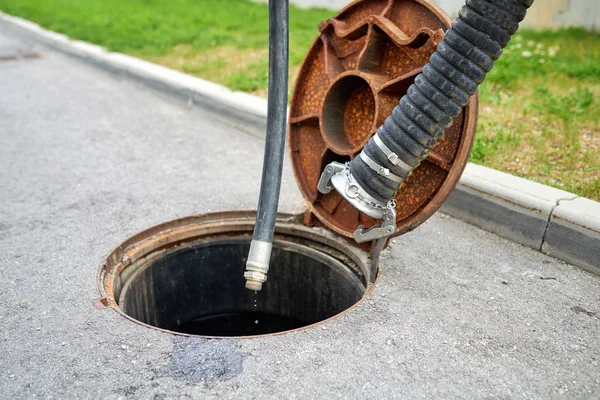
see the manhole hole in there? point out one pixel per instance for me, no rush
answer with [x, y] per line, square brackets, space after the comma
[187, 277]
[199, 290]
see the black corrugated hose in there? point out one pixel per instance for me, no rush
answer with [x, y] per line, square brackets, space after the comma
[260, 248]
[460, 64]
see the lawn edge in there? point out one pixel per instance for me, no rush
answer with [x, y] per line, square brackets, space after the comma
[546, 219]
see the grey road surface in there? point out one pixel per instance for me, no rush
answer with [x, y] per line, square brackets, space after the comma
[88, 159]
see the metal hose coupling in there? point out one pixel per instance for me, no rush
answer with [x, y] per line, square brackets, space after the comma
[337, 175]
[257, 264]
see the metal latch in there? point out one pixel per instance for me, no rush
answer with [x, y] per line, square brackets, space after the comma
[385, 229]
[324, 184]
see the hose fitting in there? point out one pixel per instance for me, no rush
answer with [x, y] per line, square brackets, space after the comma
[257, 264]
[338, 176]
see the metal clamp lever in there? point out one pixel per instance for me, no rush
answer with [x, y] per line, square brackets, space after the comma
[387, 227]
[324, 186]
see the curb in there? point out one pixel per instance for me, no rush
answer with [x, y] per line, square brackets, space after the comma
[242, 110]
[550, 220]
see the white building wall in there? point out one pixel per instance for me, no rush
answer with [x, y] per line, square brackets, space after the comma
[543, 13]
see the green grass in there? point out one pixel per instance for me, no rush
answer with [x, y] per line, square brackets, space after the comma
[153, 28]
[178, 33]
[540, 111]
[540, 106]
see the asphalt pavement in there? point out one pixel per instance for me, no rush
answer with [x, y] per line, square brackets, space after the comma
[87, 159]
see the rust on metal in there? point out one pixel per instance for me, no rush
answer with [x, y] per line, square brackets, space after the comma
[100, 303]
[355, 73]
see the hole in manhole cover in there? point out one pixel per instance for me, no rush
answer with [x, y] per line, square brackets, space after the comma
[197, 286]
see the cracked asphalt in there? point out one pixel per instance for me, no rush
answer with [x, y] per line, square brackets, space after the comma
[87, 159]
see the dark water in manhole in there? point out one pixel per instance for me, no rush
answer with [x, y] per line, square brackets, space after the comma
[244, 323]
[199, 289]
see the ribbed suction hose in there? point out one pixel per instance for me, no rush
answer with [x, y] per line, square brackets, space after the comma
[460, 64]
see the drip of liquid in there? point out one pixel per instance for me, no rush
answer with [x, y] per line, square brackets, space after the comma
[255, 304]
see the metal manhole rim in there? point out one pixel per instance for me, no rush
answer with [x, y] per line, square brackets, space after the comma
[233, 224]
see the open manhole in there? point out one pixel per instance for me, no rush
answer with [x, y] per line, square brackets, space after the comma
[186, 277]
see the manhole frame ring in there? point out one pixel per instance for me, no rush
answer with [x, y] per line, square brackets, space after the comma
[150, 244]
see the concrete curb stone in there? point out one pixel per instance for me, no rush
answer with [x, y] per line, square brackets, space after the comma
[553, 221]
[573, 233]
[512, 207]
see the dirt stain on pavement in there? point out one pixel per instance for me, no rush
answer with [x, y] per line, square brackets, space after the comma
[581, 310]
[204, 360]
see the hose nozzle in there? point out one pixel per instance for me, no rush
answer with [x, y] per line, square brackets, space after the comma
[257, 264]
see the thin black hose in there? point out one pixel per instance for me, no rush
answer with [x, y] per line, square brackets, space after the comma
[276, 120]
[459, 65]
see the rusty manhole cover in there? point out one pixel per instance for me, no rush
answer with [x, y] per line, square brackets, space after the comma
[356, 71]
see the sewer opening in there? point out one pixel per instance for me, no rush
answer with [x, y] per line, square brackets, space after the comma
[199, 289]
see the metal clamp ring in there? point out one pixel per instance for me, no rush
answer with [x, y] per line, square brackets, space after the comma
[379, 169]
[393, 157]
